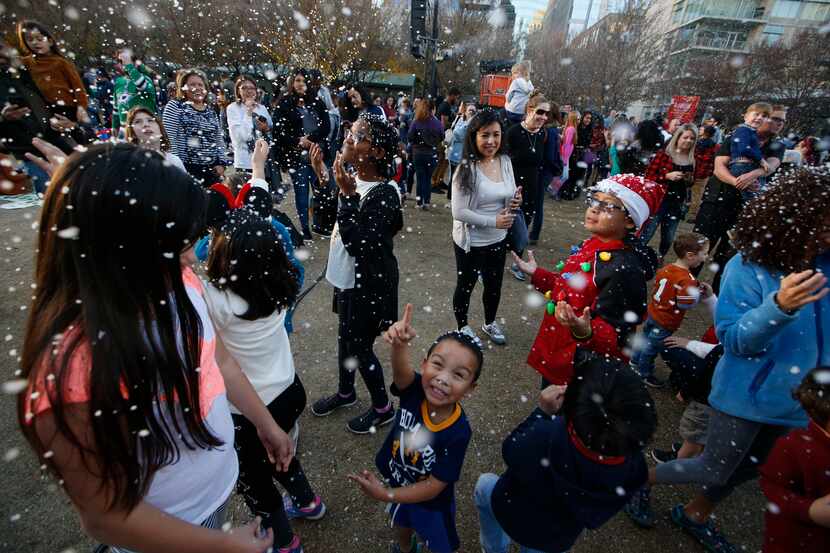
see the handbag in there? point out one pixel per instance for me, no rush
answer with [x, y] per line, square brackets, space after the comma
[517, 236]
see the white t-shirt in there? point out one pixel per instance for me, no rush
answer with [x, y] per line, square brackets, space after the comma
[260, 347]
[492, 198]
[174, 160]
[241, 131]
[340, 269]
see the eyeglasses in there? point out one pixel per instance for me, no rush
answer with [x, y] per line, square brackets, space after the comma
[777, 120]
[599, 205]
[357, 137]
[542, 112]
[247, 88]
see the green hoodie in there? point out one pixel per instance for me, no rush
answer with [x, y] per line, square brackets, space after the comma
[133, 88]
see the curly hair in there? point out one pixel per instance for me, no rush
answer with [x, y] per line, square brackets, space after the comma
[814, 395]
[384, 136]
[781, 229]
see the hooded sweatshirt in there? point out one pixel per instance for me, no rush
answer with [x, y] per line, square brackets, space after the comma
[554, 487]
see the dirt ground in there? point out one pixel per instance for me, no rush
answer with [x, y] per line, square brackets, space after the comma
[35, 516]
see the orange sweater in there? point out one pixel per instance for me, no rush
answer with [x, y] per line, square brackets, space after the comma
[58, 79]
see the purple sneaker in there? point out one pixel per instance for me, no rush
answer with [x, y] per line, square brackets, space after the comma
[294, 547]
[314, 512]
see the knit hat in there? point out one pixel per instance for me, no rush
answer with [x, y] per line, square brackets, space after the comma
[640, 197]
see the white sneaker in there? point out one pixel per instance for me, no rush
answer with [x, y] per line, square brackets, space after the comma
[468, 330]
[495, 332]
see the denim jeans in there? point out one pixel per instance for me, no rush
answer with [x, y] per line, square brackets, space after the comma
[668, 216]
[493, 538]
[738, 168]
[38, 176]
[653, 336]
[302, 177]
[425, 164]
[536, 224]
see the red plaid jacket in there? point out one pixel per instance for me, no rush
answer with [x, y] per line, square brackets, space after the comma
[705, 160]
[659, 167]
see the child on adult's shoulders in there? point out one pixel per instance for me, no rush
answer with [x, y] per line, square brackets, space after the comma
[422, 456]
[596, 297]
[571, 464]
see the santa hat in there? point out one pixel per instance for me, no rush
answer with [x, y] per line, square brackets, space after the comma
[640, 197]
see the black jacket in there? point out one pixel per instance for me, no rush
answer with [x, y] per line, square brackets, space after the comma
[368, 229]
[551, 491]
[288, 129]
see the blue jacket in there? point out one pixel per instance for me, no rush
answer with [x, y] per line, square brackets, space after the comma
[552, 163]
[459, 133]
[766, 351]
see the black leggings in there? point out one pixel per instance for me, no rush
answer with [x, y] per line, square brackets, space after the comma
[257, 474]
[488, 261]
[355, 353]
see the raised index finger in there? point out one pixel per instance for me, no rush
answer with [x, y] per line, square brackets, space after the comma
[407, 314]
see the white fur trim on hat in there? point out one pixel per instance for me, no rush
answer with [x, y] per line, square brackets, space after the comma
[634, 203]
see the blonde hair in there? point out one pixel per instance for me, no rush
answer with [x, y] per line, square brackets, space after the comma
[764, 108]
[572, 120]
[671, 148]
[522, 68]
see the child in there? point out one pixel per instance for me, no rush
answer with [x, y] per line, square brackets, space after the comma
[597, 295]
[570, 472]
[745, 151]
[55, 76]
[675, 292]
[795, 478]
[128, 406]
[422, 456]
[519, 92]
[132, 88]
[252, 284]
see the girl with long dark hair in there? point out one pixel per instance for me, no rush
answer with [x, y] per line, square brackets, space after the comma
[125, 402]
[194, 128]
[361, 265]
[484, 204]
[301, 121]
[424, 136]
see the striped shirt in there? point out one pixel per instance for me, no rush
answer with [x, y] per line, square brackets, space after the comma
[195, 136]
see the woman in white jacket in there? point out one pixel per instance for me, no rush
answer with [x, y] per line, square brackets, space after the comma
[484, 203]
[247, 121]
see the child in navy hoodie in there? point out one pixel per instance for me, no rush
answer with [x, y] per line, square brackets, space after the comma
[573, 470]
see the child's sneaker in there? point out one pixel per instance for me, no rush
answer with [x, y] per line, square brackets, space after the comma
[294, 547]
[661, 456]
[654, 382]
[414, 547]
[370, 420]
[707, 534]
[517, 273]
[327, 405]
[314, 512]
[638, 508]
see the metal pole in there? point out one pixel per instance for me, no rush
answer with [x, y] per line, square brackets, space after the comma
[433, 87]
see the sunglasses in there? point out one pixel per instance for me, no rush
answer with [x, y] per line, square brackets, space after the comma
[357, 137]
[600, 205]
[542, 112]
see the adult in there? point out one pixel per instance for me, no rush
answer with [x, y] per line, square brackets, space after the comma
[716, 121]
[449, 107]
[424, 137]
[247, 120]
[324, 93]
[582, 158]
[518, 93]
[722, 201]
[194, 129]
[361, 265]
[774, 295]
[455, 149]
[705, 151]
[526, 147]
[132, 87]
[144, 128]
[405, 115]
[549, 173]
[636, 157]
[674, 169]
[301, 120]
[361, 101]
[808, 148]
[390, 110]
[599, 147]
[568, 190]
[484, 204]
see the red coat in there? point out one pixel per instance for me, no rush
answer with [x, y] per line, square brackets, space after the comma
[796, 473]
[614, 287]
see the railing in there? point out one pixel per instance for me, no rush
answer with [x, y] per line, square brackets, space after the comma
[743, 11]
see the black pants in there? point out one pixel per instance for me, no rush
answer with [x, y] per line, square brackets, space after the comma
[488, 261]
[257, 474]
[355, 353]
[718, 213]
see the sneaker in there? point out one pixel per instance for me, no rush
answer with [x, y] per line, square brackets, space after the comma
[638, 508]
[369, 421]
[415, 547]
[468, 330]
[661, 456]
[315, 512]
[654, 382]
[517, 274]
[707, 534]
[327, 405]
[676, 446]
[495, 332]
[294, 547]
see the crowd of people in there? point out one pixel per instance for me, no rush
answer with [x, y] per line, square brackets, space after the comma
[145, 368]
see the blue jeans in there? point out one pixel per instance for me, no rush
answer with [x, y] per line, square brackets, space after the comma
[536, 225]
[653, 335]
[425, 164]
[302, 178]
[38, 176]
[737, 168]
[493, 538]
[668, 216]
